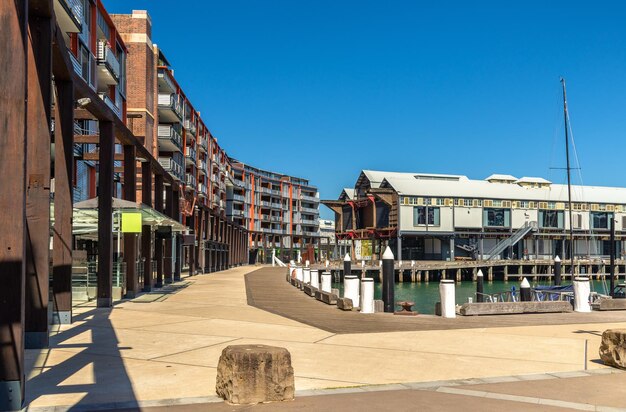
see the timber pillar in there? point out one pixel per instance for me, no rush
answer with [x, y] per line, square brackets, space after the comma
[105, 214]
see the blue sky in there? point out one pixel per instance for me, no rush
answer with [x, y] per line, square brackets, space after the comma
[323, 89]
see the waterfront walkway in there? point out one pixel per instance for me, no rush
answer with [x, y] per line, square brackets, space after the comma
[162, 349]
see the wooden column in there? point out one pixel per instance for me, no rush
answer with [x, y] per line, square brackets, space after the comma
[199, 236]
[168, 267]
[63, 196]
[38, 182]
[192, 248]
[158, 241]
[146, 230]
[12, 201]
[105, 214]
[130, 239]
[178, 239]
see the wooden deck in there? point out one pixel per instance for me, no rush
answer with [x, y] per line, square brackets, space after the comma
[267, 289]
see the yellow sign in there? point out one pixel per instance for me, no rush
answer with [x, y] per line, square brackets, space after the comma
[131, 222]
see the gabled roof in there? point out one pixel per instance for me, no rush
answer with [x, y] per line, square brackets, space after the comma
[347, 194]
[526, 179]
[496, 176]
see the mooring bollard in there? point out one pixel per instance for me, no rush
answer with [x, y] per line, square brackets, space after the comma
[351, 289]
[347, 266]
[327, 282]
[388, 281]
[327, 263]
[581, 294]
[524, 291]
[367, 295]
[480, 278]
[299, 273]
[306, 275]
[446, 293]
[307, 263]
[315, 278]
[557, 271]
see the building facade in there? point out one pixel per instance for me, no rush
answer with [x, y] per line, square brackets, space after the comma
[281, 212]
[432, 216]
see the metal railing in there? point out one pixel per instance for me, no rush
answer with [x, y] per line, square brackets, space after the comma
[170, 132]
[106, 57]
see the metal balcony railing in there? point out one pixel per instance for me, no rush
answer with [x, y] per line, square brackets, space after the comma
[190, 152]
[239, 198]
[310, 210]
[171, 101]
[171, 133]
[174, 168]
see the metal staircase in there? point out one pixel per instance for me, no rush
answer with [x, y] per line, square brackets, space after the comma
[516, 237]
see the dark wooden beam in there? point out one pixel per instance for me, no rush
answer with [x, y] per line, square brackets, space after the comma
[178, 239]
[168, 264]
[130, 239]
[86, 139]
[63, 188]
[13, 37]
[146, 231]
[61, 64]
[95, 156]
[105, 214]
[38, 182]
[158, 241]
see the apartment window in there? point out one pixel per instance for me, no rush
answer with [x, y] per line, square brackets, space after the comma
[524, 204]
[551, 219]
[467, 202]
[600, 220]
[497, 203]
[497, 217]
[439, 201]
[427, 201]
[423, 215]
[478, 203]
[84, 62]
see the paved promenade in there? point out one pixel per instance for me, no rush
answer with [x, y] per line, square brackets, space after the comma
[163, 348]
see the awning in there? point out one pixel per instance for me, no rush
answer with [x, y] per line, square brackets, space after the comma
[85, 216]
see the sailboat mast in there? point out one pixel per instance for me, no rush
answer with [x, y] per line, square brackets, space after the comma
[569, 181]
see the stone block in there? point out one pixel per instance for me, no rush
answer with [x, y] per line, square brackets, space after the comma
[328, 298]
[345, 304]
[310, 290]
[248, 374]
[612, 304]
[379, 306]
[508, 308]
[613, 348]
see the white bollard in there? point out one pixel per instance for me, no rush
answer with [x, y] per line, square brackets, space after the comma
[362, 263]
[299, 273]
[273, 257]
[446, 292]
[327, 282]
[307, 263]
[581, 294]
[315, 278]
[351, 289]
[291, 269]
[380, 263]
[367, 295]
[306, 275]
[299, 257]
[327, 263]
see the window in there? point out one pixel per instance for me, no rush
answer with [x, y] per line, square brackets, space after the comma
[467, 202]
[524, 204]
[497, 217]
[551, 219]
[478, 203]
[423, 215]
[497, 203]
[439, 201]
[600, 220]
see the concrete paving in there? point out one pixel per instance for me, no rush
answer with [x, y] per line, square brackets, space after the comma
[162, 349]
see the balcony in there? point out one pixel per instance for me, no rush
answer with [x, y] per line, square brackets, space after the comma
[109, 102]
[172, 167]
[108, 66]
[202, 167]
[202, 191]
[275, 205]
[239, 198]
[238, 213]
[169, 108]
[310, 198]
[69, 15]
[190, 155]
[190, 126]
[169, 138]
[190, 182]
[309, 210]
[274, 218]
[308, 222]
[166, 85]
[202, 144]
[265, 218]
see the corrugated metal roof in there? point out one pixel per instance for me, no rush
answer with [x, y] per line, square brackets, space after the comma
[496, 176]
[467, 188]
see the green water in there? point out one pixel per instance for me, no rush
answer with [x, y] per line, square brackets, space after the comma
[425, 295]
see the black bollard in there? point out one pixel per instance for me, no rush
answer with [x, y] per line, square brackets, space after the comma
[612, 259]
[347, 267]
[479, 286]
[524, 291]
[557, 271]
[388, 281]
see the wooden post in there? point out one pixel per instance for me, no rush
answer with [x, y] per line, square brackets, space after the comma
[63, 188]
[191, 221]
[105, 214]
[178, 239]
[158, 241]
[168, 267]
[146, 230]
[506, 273]
[130, 239]
[13, 150]
[38, 182]
[490, 274]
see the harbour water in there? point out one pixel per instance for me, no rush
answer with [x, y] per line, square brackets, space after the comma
[425, 295]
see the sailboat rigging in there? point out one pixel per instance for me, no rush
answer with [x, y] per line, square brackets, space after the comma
[569, 180]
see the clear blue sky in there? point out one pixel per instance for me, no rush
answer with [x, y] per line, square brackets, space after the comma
[323, 89]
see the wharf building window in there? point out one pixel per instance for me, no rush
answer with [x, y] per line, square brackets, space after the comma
[551, 219]
[496, 217]
[600, 220]
[424, 215]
